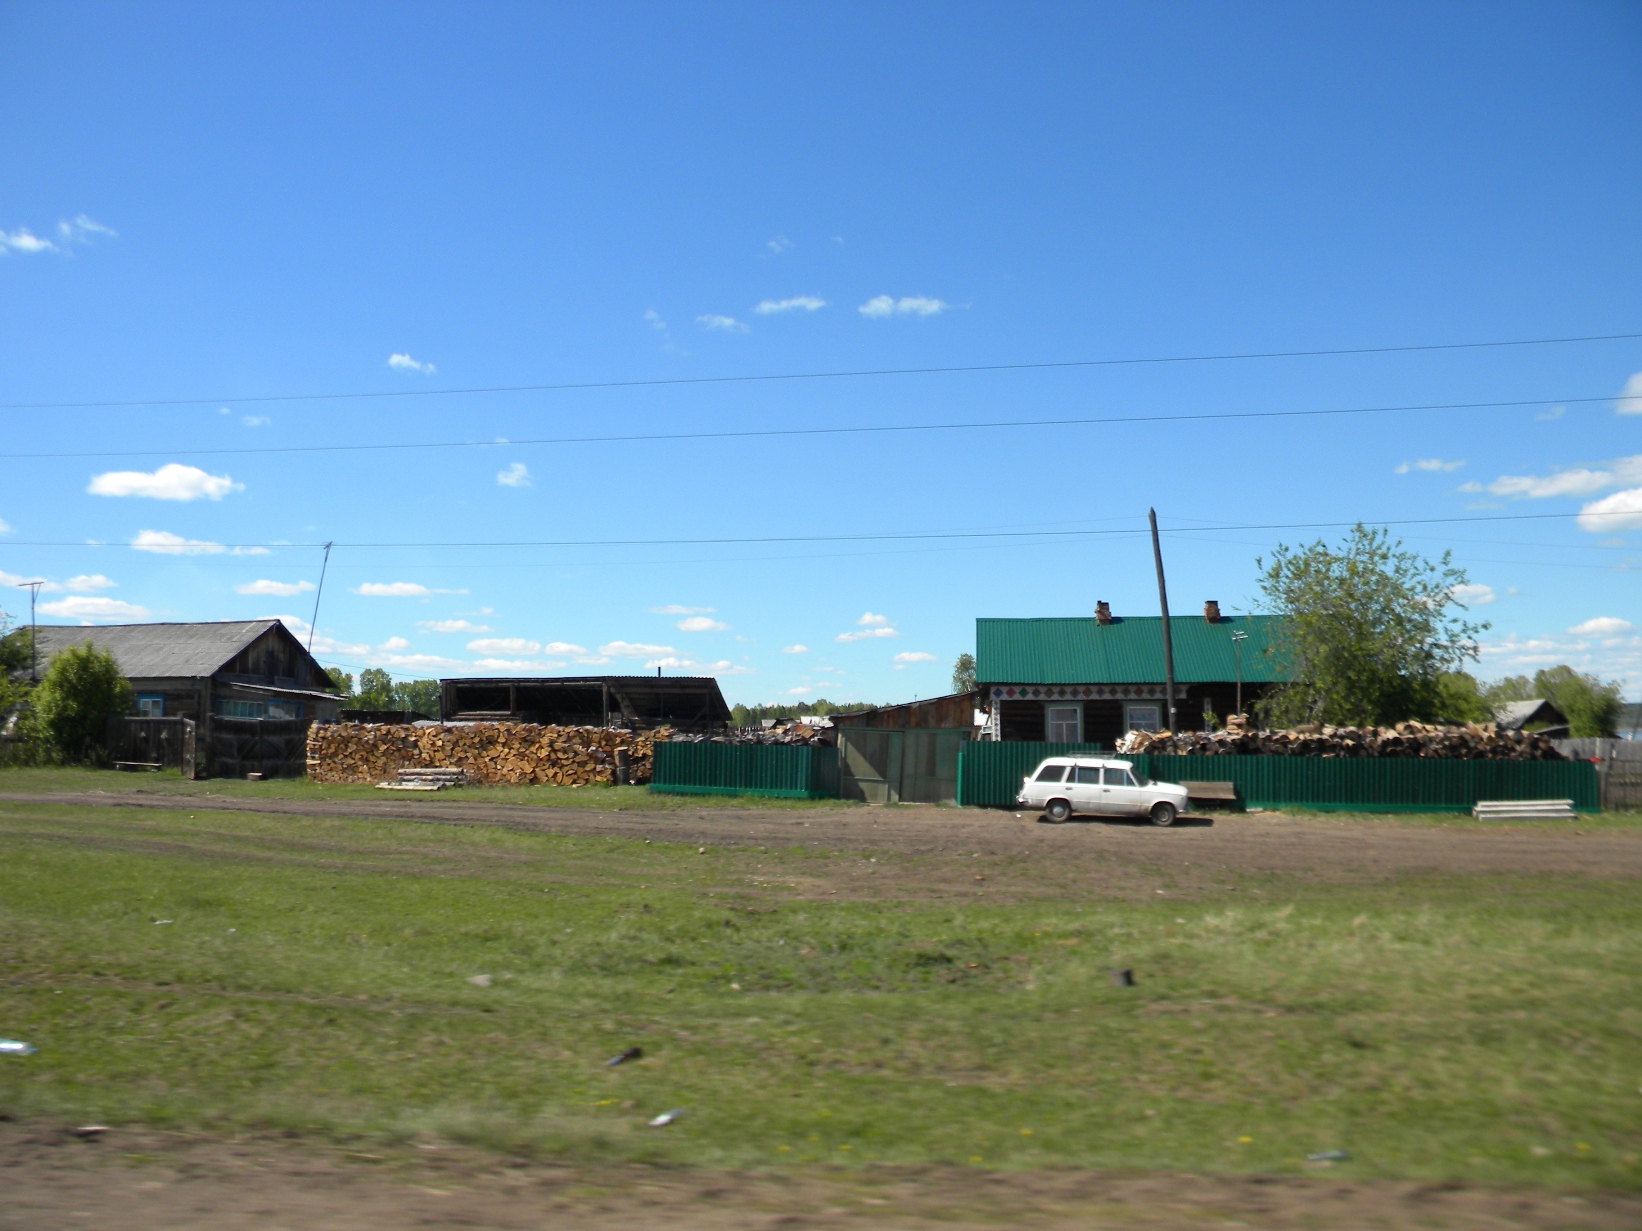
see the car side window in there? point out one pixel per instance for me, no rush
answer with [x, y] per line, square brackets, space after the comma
[1117, 777]
[1089, 775]
[1051, 773]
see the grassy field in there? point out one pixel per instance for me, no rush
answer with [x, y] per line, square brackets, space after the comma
[63, 779]
[223, 970]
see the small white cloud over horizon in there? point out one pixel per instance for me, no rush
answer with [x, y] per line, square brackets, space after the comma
[398, 589]
[701, 624]
[722, 667]
[804, 303]
[866, 634]
[514, 664]
[1474, 595]
[516, 475]
[80, 229]
[908, 305]
[164, 543]
[394, 645]
[505, 645]
[795, 649]
[255, 420]
[869, 620]
[1602, 626]
[629, 649]
[1630, 400]
[451, 626]
[914, 656]
[1434, 465]
[1620, 511]
[170, 482]
[277, 589]
[778, 245]
[727, 324]
[83, 607]
[564, 647]
[5, 527]
[1580, 481]
[675, 609]
[17, 579]
[24, 240]
[400, 362]
[85, 583]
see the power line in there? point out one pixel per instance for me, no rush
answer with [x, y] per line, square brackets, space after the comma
[776, 433]
[837, 375]
[908, 536]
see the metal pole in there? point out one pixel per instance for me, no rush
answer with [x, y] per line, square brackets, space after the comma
[1238, 638]
[312, 624]
[1163, 601]
[33, 588]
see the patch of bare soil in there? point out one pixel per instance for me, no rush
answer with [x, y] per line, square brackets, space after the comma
[136, 1180]
[992, 855]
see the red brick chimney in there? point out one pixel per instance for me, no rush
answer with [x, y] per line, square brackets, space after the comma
[1103, 612]
[1211, 611]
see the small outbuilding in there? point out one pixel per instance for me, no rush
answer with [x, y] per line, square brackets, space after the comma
[1536, 714]
[637, 702]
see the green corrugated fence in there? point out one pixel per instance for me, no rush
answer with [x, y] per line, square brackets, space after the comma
[989, 774]
[786, 771]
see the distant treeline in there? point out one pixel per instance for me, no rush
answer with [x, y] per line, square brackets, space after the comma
[754, 715]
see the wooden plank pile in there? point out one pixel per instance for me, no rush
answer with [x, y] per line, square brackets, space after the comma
[1472, 742]
[784, 733]
[504, 753]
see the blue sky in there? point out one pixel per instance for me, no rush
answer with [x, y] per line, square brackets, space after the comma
[226, 202]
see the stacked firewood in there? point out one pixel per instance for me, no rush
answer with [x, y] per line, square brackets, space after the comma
[785, 733]
[511, 753]
[1472, 742]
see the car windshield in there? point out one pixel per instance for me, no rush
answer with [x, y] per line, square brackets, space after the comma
[1140, 778]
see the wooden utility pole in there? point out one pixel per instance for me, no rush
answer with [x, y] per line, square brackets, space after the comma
[1163, 601]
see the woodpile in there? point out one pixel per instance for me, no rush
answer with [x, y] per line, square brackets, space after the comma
[782, 733]
[510, 753]
[1472, 742]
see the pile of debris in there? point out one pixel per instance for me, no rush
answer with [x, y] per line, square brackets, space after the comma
[782, 733]
[511, 753]
[1472, 742]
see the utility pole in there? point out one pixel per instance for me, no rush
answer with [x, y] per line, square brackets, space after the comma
[312, 624]
[33, 587]
[1163, 601]
[1238, 638]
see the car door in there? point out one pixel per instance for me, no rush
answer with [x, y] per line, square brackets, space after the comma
[1083, 788]
[1120, 793]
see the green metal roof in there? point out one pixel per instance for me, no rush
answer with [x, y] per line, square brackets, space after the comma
[1079, 650]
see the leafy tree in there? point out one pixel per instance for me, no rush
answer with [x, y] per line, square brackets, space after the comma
[14, 660]
[1592, 706]
[963, 673]
[375, 690]
[341, 681]
[1368, 631]
[80, 691]
[1460, 699]
[752, 715]
[419, 695]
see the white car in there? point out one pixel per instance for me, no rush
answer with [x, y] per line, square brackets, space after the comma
[1064, 786]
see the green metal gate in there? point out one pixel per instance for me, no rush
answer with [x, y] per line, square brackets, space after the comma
[785, 771]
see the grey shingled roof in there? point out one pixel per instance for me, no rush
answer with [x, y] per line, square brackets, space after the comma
[151, 651]
[1513, 714]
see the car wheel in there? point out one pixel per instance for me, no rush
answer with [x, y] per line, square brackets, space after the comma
[1059, 811]
[1163, 814]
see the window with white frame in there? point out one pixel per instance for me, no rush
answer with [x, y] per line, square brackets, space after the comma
[1141, 717]
[151, 705]
[1063, 724]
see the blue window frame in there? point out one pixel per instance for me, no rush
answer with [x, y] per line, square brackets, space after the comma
[151, 705]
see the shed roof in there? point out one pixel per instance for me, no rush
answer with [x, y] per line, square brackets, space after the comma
[1514, 715]
[157, 651]
[1129, 650]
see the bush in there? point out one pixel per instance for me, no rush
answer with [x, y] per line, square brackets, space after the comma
[80, 692]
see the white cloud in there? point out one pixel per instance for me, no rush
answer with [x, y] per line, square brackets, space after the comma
[256, 420]
[653, 318]
[675, 609]
[627, 649]
[722, 667]
[778, 245]
[398, 589]
[1620, 511]
[798, 692]
[5, 528]
[394, 645]
[22, 240]
[504, 645]
[908, 305]
[728, 324]
[1434, 465]
[1474, 595]
[81, 607]
[170, 482]
[164, 543]
[17, 579]
[869, 620]
[795, 649]
[1564, 483]
[701, 624]
[866, 634]
[85, 583]
[414, 662]
[404, 363]
[806, 303]
[451, 626]
[1630, 401]
[1556, 412]
[563, 647]
[80, 229]
[513, 664]
[516, 475]
[915, 656]
[278, 589]
[1602, 626]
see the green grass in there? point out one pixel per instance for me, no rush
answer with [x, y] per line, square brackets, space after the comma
[313, 977]
[59, 779]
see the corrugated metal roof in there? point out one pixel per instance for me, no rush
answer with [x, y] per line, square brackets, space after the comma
[1079, 650]
[156, 651]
